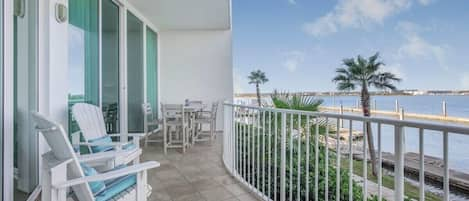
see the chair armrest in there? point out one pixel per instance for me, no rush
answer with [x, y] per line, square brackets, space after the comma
[128, 135]
[155, 130]
[109, 175]
[107, 155]
[114, 144]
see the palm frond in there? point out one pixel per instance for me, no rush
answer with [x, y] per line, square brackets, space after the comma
[257, 77]
[286, 100]
[364, 72]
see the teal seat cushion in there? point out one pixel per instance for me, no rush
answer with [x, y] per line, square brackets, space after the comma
[96, 186]
[101, 148]
[129, 146]
[107, 139]
[116, 186]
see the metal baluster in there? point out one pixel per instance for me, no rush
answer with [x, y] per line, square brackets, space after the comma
[308, 132]
[253, 152]
[316, 161]
[243, 144]
[380, 165]
[236, 141]
[275, 155]
[283, 160]
[249, 124]
[337, 193]
[326, 165]
[258, 171]
[298, 167]
[270, 155]
[350, 157]
[291, 158]
[365, 161]
[246, 145]
[263, 152]
[231, 142]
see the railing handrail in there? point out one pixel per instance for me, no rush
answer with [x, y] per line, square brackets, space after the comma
[396, 122]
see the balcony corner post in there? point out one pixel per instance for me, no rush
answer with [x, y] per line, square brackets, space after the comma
[399, 146]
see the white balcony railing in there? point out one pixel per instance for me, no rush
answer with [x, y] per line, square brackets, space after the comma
[286, 154]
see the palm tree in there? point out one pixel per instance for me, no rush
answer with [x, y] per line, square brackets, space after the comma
[365, 73]
[258, 77]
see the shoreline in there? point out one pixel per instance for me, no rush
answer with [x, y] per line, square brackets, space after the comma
[458, 181]
[440, 118]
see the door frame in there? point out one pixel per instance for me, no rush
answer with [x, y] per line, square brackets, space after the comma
[27, 147]
[52, 43]
[8, 79]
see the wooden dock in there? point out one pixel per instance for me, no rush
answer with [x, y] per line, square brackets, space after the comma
[441, 118]
[433, 170]
[458, 180]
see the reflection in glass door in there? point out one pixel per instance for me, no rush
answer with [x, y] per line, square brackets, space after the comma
[83, 51]
[110, 65]
[152, 70]
[26, 158]
[135, 76]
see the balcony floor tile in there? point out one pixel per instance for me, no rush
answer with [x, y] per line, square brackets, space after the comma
[197, 175]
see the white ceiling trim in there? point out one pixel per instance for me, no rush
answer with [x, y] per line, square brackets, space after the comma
[186, 14]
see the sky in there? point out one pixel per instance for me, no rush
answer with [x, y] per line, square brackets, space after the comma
[300, 43]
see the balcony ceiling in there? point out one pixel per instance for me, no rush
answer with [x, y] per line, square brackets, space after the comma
[186, 14]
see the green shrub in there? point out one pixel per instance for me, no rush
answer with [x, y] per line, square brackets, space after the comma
[257, 142]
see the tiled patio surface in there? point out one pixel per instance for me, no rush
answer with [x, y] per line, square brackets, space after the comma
[197, 175]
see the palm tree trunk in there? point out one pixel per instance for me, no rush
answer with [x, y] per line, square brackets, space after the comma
[258, 92]
[365, 100]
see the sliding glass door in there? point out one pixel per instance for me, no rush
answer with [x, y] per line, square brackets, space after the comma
[1, 101]
[135, 73]
[110, 65]
[152, 70]
[26, 156]
[83, 55]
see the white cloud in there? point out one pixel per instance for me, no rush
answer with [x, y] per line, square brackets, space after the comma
[357, 14]
[425, 2]
[417, 47]
[292, 2]
[293, 59]
[465, 80]
[395, 69]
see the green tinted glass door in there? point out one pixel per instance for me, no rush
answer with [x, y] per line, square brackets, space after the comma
[26, 157]
[135, 76]
[83, 51]
[152, 70]
[110, 65]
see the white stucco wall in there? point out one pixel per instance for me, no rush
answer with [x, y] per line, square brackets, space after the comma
[196, 65]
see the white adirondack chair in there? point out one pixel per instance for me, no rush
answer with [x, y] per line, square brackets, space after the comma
[62, 170]
[92, 126]
[151, 125]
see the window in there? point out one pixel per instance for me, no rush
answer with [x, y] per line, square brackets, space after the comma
[110, 65]
[83, 55]
[25, 96]
[135, 76]
[152, 70]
